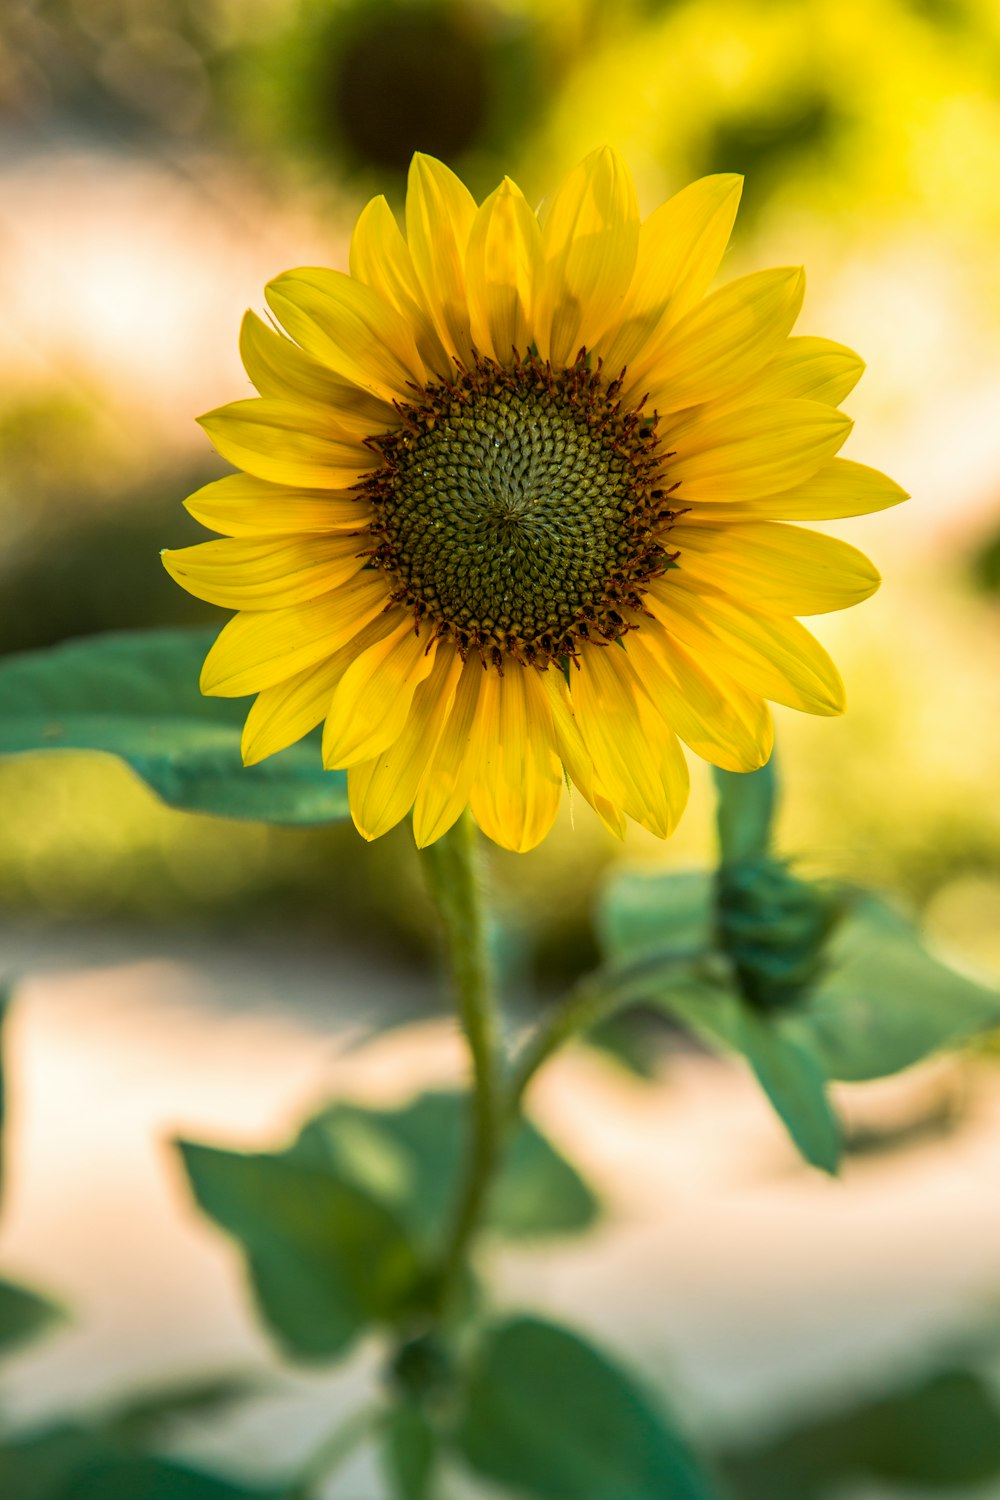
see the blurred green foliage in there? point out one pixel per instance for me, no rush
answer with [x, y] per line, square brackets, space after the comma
[367, 1194]
[326, 1259]
[341, 1230]
[134, 694]
[939, 1432]
[547, 1415]
[409, 1451]
[85, 841]
[807, 981]
[412, 1159]
[986, 565]
[23, 1315]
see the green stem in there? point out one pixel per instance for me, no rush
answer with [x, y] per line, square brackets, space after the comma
[582, 1007]
[594, 998]
[454, 885]
[336, 1448]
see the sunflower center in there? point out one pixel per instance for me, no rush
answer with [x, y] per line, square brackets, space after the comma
[518, 509]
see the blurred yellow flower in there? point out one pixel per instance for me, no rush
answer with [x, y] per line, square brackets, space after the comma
[513, 501]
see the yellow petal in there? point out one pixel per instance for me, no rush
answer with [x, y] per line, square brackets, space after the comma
[282, 714]
[439, 214]
[261, 647]
[380, 257]
[241, 505]
[781, 569]
[720, 720]
[770, 654]
[806, 368]
[348, 327]
[518, 785]
[281, 369]
[722, 342]
[286, 443]
[590, 239]
[373, 698]
[667, 756]
[502, 268]
[243, 573]
[574, 754]
[680, 247]
[382, 790]
[444, 788]
[753, 451]
[606, 705]
[838, 488]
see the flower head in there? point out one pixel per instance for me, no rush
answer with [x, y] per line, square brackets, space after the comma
[514, 504]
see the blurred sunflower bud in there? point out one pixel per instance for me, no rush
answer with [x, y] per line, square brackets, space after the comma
[774, 928]
[366, 83]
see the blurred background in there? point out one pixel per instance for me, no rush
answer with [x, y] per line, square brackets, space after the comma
[159, 161]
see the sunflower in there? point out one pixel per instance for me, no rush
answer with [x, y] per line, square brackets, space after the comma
[513, 507]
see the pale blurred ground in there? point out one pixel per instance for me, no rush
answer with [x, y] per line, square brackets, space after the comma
[751, 1289]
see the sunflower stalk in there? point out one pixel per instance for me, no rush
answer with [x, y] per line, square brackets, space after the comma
[335, 1449]
[454, 882]
[595, 998]
[495, 1103]
[592, 1000]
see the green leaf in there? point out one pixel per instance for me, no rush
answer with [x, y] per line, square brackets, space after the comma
[745, 811]
[23, 1315]
[325, 1258]
[69, 1465]
[886, 1002]
[44, 1465]
[548, 1415]
[408, 1452]
[632, 1041]
[411, 1159]
[777, 1048]
[638, 912]
[129, 1478]
[882, 1003]
[791, 1077]
[665, 916]
[662, 926]
[135, 695]
[942, 1431]
[144, 1415]
[537, 1191]
[82, 1463]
